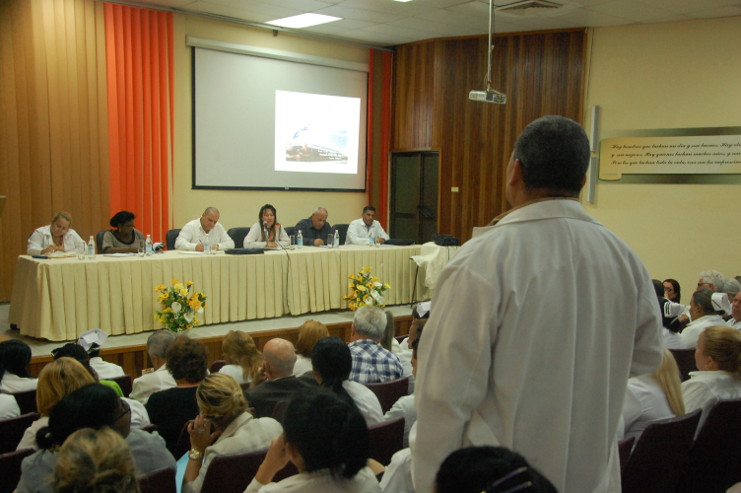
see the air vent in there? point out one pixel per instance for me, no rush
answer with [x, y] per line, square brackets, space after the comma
[529, 7]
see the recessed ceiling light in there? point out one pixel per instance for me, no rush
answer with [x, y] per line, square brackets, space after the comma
[303, 20]
[402, 1]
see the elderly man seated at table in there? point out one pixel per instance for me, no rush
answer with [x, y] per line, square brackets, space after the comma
[56, 237]
[205, 230]
[315, 229]
[366, 230]
[371, 363]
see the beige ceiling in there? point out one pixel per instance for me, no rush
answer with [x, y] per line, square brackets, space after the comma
[387, 23]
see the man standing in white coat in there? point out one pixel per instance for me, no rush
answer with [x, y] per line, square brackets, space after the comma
[536, 326]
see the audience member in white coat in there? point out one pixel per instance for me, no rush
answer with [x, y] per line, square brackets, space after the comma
[705, 312]
[160, 379]
[718, 359]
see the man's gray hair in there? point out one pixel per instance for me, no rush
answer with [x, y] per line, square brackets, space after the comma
[554, 155]
[712, 277]
[370, 322]
[731, 287]
[159, 342]
[320, 209]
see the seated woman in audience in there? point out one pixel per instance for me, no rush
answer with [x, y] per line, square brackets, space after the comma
[57, 379]
[92, 406]
[124, 238]
[223, 417]
[650, 397]
[672, 290]
[490, 470]
[95, 461]
[139, 415]
[170, 409]
[15, 359]
[706, 308]
[327, 440]
[8, 407]
[332, 363]
[56, 237]
[243, 359]
[268, 223]
[308, 335]
[718, 359]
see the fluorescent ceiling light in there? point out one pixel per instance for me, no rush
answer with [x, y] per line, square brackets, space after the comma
[303, 20]
[402, 1]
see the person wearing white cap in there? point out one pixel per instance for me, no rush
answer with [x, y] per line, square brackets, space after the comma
[91, 341]
[706, 308]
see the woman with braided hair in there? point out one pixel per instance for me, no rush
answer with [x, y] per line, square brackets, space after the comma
[223, 427]
[331, 361]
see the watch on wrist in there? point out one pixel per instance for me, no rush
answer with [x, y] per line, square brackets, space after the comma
[194, 454]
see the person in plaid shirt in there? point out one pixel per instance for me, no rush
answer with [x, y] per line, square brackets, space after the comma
[371, 363]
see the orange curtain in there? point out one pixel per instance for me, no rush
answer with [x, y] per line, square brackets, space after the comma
[140, 67]
[379, 131]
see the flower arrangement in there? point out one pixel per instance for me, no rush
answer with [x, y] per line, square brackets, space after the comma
[179, 306]
[365, 290]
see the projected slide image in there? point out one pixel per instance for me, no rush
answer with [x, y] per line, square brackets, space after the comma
[316, 133]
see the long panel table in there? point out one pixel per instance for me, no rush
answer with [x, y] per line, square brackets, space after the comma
[58, 299]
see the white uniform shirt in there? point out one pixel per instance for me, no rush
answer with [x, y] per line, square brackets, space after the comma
[8, 407]
[106, 370]
[365, 400]
[42, 238]
[359, 234]
[645, 402]
[319, 482]
[521, 349]
[192, 233]
[149, 383]
[234, 371]
[254, 237]
[403, 408]
[692, 332]
[13, 383]
[732, 322]
[705, 388]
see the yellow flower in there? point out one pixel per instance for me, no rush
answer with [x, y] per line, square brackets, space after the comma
[194, 303]
[183, 292]
[174, 281]
[374, 279]
[162, 297]
[178, 287]
[386, 285]
[351, 306]
[362, 288]
[351, 276]
[189, 283]
[366, 269]
[161, 287]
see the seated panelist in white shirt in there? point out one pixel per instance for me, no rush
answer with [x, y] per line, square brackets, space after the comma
[207, 228]
[267, 232]
[56, 237]
[362, 230]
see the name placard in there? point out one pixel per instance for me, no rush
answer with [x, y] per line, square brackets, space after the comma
[696, 154]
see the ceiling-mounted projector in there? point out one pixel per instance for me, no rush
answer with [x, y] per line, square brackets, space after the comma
[492, 96]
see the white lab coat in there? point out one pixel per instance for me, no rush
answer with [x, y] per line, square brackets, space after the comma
[536, 326]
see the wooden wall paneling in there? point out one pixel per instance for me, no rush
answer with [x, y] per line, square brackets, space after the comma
[541, 74]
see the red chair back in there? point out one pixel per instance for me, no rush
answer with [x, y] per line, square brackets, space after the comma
[715, 458]
[386, 439]
[26, 401]
[217, 365]
[159, 481]
[625, 447]
[661, 455]
[10, 469]
[12, 429]
[389, 392]
[232, 473]
[685, 361]
[124, 381]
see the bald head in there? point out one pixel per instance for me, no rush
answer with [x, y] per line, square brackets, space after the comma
[278, 356]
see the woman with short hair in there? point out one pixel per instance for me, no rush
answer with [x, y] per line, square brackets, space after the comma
[57, 379]
[55, 237]
[223, 427]
[326, 439]
[706, 308]
[308, 334]
[243, 359]
[718, 360]
[124, 237]
[15, 360]
[95, 461]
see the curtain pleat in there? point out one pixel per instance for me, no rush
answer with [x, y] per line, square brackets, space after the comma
[140, 67]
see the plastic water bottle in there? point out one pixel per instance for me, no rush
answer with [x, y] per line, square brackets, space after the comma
[91, 248]
[299, 239]
[372, 240]
[336, 239]
[149, 248]
[206, 245]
